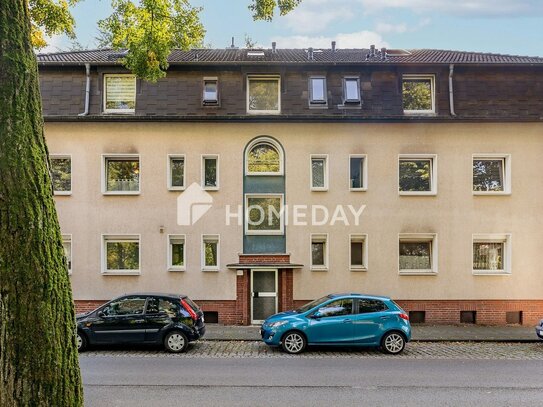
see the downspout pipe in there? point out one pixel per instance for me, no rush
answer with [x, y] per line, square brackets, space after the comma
[87, 91]
[451, 92]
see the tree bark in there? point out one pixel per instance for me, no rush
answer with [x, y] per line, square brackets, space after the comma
[38, 355]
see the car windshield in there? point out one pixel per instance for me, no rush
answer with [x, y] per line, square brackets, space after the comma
[312, 304]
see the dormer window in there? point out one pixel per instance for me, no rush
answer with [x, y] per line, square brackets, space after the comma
[263, 95]
[418, 94]
[317, 90]
[119, 93]
[211, 91]
[351, 90]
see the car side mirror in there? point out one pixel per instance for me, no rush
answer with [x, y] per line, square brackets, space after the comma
[316, 315]
[100, 314]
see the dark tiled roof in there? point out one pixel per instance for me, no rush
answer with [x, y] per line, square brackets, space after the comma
[296, 56]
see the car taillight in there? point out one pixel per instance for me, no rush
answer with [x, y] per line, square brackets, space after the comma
[189, 310]
[404, 316]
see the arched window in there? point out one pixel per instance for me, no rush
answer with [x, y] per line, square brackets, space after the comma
[264, 158]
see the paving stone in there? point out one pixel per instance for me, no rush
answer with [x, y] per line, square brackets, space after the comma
[413, 350]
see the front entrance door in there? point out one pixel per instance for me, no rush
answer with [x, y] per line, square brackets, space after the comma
[263, 294]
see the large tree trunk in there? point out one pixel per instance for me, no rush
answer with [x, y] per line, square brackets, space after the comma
[38, 355]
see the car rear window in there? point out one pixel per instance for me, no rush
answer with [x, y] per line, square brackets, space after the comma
[192, 304]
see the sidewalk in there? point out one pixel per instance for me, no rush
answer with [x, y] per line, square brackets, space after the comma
[422, 333]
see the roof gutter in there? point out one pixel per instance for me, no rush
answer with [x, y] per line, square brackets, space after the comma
[451, 91]
[87, 91]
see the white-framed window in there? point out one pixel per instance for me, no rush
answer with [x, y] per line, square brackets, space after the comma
[358, 252]
[119, 93]
[263, 94]
[319, 172]
[264, 214]
[176, 172]
[417, 174]
[210, 172]
[67, 245]
[121, 174]
[358, 172]
[210, 252]
[318, 254]
[176, 253]
[351, 90]
[491, 174]
[417, 253]
[264, 157]
[418, 94]
[491, 254]
[317, 91]
[61, 173]
[121, 254]
[210, 94]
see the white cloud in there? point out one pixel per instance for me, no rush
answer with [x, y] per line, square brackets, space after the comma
[475, 8]
[391, 28]
[361, 39]
[312, 16]
[385, 28]
[56, 43]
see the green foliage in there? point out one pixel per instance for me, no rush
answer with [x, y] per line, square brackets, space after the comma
[264, 213]
[265, 9]
[263, 95]
[50, 17]
[417, 94]
[263, 158]
[123, 175]
[415, 175]
[123, 256]
[150, 30]
[211, 254]
[61, 174]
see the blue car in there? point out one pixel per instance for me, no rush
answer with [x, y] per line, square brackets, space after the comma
[340, 319]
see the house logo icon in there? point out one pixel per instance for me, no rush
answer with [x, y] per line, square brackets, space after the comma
[192, 204]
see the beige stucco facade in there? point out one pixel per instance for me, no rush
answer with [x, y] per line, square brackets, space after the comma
[454, 214]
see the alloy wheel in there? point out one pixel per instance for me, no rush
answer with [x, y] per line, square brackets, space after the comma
[394, 343]
[294, 343]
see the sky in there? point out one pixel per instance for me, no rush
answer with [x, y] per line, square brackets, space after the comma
[499, 26]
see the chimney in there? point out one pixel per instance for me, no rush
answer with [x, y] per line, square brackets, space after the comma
[233, 45]
[383, 53]
[274, 47]
[372, 50]
[333, 46]
[310, 53]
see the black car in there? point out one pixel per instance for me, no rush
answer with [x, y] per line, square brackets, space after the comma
[148, 318]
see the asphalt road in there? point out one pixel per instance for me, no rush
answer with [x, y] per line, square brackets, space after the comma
[328, 381]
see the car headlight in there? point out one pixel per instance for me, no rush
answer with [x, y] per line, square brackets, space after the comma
[277, 324]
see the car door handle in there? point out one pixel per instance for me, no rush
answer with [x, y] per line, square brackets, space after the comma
[139, 321]
[347, 321]
[385, 318]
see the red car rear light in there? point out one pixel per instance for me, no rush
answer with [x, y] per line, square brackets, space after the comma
[189, 310]
[404, 316]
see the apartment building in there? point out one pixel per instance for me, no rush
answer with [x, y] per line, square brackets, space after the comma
[255, 180]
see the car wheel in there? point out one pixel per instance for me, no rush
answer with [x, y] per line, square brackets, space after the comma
[81, 341]
[393, 343]
[293, 342]
[176, 342]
